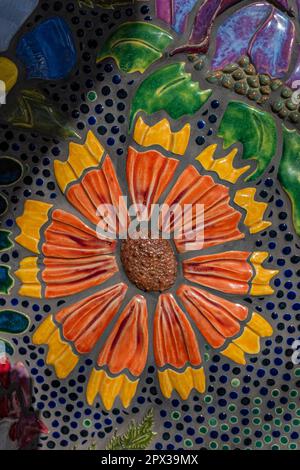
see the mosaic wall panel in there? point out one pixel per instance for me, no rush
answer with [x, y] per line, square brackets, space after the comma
[149, 343]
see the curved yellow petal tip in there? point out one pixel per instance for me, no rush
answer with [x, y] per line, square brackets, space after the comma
[261, 281]
[234, 353]
[109, 388]
[44, 331]
[28, 275]
[248, 341]
[34, 216]
[255, 211]
[182, 382]
[260, 325]
[80, 158]
[161, 134]
[60, 354]
[8, 73]
[31, 290]
[223, 166]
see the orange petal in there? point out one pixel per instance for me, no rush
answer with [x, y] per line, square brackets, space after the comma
[227, 272]
[216, 318]
[98, 188]
[68, 276]
[68, 237]
[220, 223]
[127, 345]
[84, 322]
[148, 175]
[175, 342]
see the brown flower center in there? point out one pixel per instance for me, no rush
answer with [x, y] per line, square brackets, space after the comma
[150, 264]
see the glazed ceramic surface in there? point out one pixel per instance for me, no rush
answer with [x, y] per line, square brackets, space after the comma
[163, 102]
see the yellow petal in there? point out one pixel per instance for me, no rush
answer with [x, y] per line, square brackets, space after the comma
[248, 341]
[56, 347]
[182, 382]
[28, 270]
[235, 354]
[255, 211]
[44, 331]
[28, 275]
[165, 383]
[60, 353]
[65, 363]
[222, 166]
[109, 389]
[8, 73]
[199, 379]
[93, 385]
[161, 134]
[128, 391]
[31, 290]
[261, 281]
[34, 216]
[260, 325]
[80, 158]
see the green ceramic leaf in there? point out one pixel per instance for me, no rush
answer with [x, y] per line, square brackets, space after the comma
[255, 129]
[169, 88]
[6, 347]
[289, 171]
[6, 281]
[13, 322]
[5, 241]
[137, 437]
[33, 111]
[135, 46]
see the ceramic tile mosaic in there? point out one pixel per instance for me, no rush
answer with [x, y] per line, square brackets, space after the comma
[149, 343]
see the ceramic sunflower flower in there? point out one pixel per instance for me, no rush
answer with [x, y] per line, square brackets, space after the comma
[115, 317]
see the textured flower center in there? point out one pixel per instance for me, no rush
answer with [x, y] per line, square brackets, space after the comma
[150, 264]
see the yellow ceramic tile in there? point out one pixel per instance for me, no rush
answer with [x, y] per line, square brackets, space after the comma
[31, 290]
[128, 391]
[28, 270]
[93, 385]
[161, 134]
[223, 166]
[248, 341]
[255, 211]
[65, 363]
[28, 275]
[260, 325]
[8, 73]
[60, 354]
[44, 331]
[182, 382]
[234, 353]
[35, 215]
[263, 276]
[80, 158]
[56, 347]
[109, 388]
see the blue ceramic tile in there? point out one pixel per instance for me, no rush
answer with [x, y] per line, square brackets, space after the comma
[48, 51]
